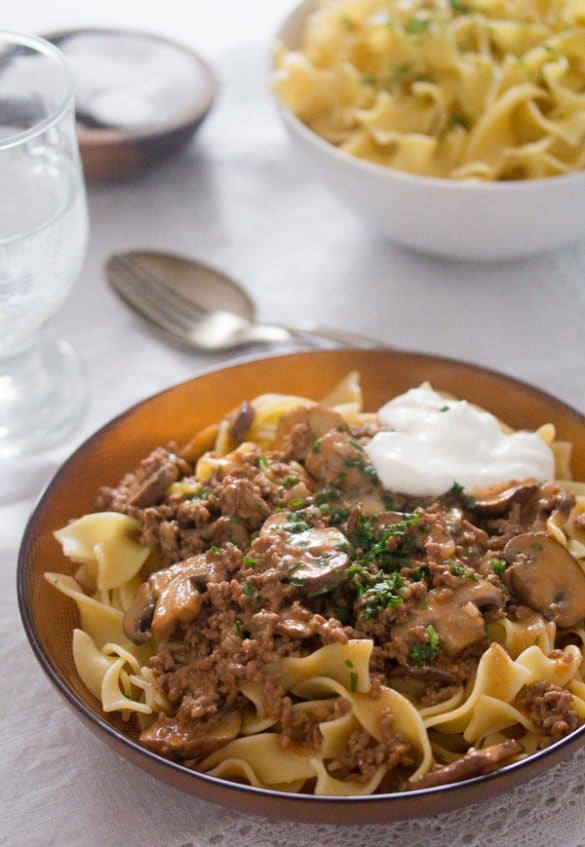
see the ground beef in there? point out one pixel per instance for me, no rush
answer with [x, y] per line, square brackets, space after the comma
[363, 754]
[301, 725]
[551, 709]
[400, 569]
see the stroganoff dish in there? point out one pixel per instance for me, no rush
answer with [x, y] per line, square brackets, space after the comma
[308, 597]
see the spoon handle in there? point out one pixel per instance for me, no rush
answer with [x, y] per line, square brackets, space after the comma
[341, 336]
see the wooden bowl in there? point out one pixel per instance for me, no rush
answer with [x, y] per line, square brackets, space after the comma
[177, 413]
[110, 153]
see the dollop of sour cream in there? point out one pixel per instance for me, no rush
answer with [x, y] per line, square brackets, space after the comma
[436, 442]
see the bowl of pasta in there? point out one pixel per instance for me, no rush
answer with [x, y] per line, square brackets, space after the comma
[327, 586]
[453, 128]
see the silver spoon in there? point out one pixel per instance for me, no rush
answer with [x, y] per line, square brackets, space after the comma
[196, 306]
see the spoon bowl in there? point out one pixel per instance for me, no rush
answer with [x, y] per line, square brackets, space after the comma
[196, 306]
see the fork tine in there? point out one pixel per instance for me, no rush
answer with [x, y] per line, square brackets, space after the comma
[145, 299]
[183, 306]
[143, 286]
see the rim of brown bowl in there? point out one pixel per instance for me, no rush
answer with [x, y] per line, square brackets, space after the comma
[122, 153]
[289, 372]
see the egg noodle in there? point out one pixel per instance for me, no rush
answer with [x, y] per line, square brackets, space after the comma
[409, 727]
[460, 89]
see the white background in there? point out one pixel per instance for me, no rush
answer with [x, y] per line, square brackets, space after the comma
[239, 198]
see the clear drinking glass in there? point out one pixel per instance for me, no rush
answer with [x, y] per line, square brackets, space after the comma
[43, 234]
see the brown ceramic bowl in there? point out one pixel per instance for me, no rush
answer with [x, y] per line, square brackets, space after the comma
[111, 153]
[176, 414]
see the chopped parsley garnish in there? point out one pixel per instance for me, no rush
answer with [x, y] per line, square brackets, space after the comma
[239, 629]
[250, 561]
[369, 79]
[349, 663]
[457, 120]
[382, 595]
[295, 526]
[342, 614]
[459, 570]
[444, 408]
[498, 566]
[298, 503]
[398, 74]
[353, 681]
[326, 495]
[315, 444]
[420, 574]
[416, 26]
[456, 489]
[289, 481]
[371, 541]
[460, 6]
[202, 494]
[426, 651]
[339, 515]
[252, 593]
[359, 463]
[261, 461]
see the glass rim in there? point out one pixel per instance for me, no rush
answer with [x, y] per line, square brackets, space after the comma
[40, 45]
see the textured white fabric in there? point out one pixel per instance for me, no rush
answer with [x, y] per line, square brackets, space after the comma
[240, 199]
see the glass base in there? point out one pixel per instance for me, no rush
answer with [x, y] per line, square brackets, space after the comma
[43, 395]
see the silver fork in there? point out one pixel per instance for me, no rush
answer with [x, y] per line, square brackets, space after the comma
[185, 321]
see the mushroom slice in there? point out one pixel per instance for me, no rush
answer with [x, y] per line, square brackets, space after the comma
[168, 596]
[180, 602]
[474, 763]
[168, 737]
[545, 576]
[319, 565]
[458, 617]
[155, 486]
[138, 617]
[455, 614]
[314, 560]
[494, 502]
[241, 422]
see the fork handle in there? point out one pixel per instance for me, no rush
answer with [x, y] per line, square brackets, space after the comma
[341, 336]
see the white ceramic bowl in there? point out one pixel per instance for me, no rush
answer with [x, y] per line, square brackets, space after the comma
[463, 220]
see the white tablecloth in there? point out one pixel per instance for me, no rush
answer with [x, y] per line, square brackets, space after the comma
[239, 198]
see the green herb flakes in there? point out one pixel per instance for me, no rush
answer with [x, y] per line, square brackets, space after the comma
[460, 6]
[417, 26]
[426, 651]
[498, 566]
